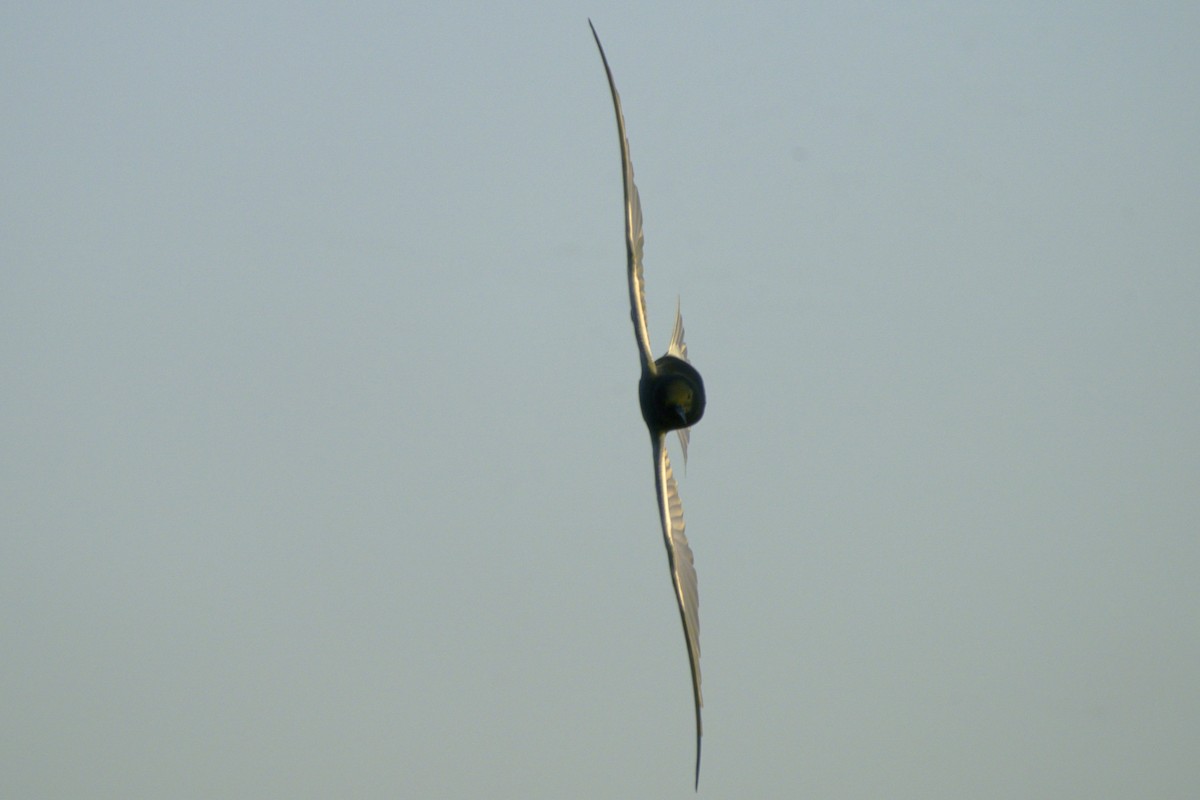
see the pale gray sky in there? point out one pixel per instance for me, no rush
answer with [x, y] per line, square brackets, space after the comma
[321, 467]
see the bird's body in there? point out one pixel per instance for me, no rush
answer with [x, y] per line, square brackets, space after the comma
[672, 397]
[671, 394]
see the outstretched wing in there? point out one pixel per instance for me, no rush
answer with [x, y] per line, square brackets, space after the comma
[683, 572]
[633, 227]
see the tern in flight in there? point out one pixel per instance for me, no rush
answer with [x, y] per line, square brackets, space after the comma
[672, 398]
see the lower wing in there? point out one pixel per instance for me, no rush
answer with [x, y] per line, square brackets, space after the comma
[683, 572]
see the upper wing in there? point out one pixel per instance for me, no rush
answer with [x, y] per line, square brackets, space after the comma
[683, 573]
[633, 227]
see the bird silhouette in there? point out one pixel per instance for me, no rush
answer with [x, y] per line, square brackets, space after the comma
[671, 394]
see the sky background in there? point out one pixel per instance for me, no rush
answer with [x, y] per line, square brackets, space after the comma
[321, 466]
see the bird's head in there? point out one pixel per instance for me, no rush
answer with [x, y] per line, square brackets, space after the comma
[679, 399]
[673, 396]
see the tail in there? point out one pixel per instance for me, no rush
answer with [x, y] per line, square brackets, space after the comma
[678, 348]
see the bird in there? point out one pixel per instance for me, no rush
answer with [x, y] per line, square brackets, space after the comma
[671, 394]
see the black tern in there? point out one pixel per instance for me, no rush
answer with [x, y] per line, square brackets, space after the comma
[672, 399]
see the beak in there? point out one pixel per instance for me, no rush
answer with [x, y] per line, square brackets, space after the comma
[682, 415]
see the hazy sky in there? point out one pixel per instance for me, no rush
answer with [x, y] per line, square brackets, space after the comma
[321, 466]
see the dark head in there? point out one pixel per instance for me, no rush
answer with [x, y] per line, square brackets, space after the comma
[674, 397]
